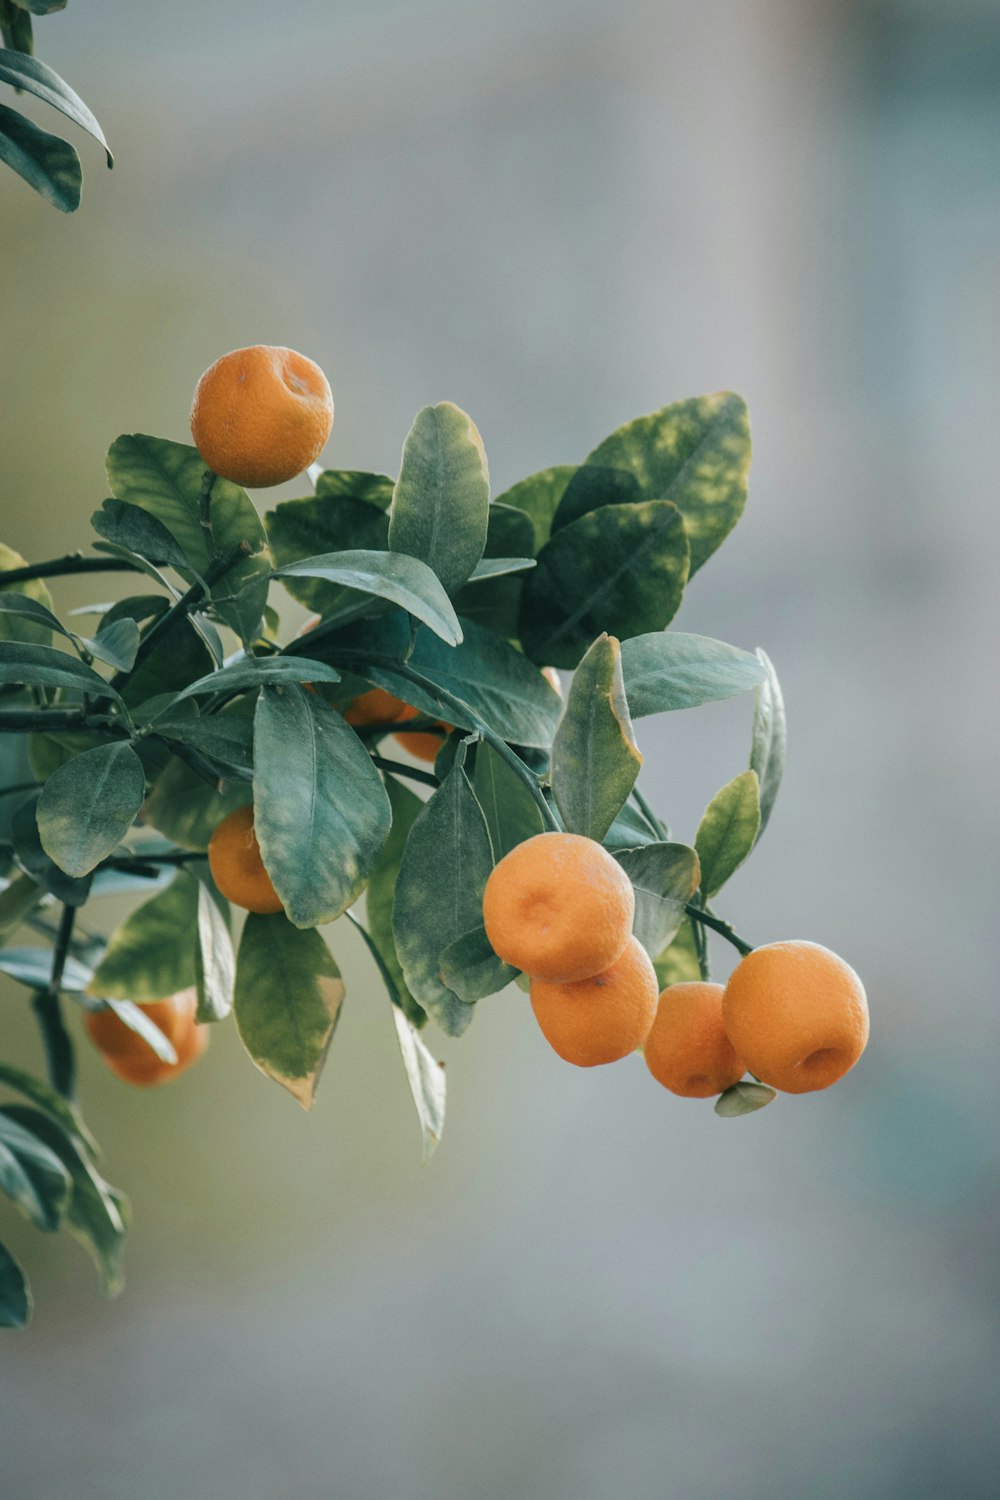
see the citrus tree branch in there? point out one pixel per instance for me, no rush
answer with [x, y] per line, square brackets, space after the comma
[55, 1038]
[59, 567]
[708, 919]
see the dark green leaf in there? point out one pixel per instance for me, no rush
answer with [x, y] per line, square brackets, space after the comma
[592, 486]
[18, 897]
[13, 627]
[494, 601]
[214, 960]
[393, 576]
[89, 804]
[538, 497]
[258, 671]
[440, 504]
[151, 954]
[288, 998]
[439, 893]
[380, 893]
[115, 644]
[695, 453]
[629, 830]
[595, 759]
[138, 530]
[35, 862]
[16, 1305]
[44, 666]
[728, 831]
[622, 569]
[770, 733]
[36, 78]
[511, 812]
[426, 1079]
[30, 1172]
[373, 489]
[743, 1099]
[187, 809]
[669, 670]
[33, 966]
[63, 1111]
[678, 964]
[178, 658]
[324, 523]
[13, 602]
[664, 876]
[227, 738]
[48, 164]
[471, 969]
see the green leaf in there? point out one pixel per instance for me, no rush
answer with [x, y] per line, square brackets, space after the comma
[138, 531]
[44, 666]
[151, 954]
[668, 670]
[115, 644]
[373, 489]
[439, 893]
[97, 1214]
[63, 1111]
[12, 602]
[165, 479]
[425, 1077]
[629, 830]
[89, 804]
[769, 738]
[440, 504]
[728, 831]
[471, 969]
[136, 1019]
[321, 813]
[494, 600]
[48, 164]
[678, 963]
[324, 523]
[695, 453]
[380, 893]
[499, 567]
[593, 486]
[177, 659]
[15, 27]
[621, 569]
[16, 1304]
[511, 812]
[35, 862]
[186, 809]
[18, 897]
[393, 576]
[595, 759]
[33, 967]
[665, 877]
[30, 1172]
[743, 1099]
[259, 671]
[15, 628]
[288, 998]
[538, 497]
[226, 738]
[37, 78]
[214, 961]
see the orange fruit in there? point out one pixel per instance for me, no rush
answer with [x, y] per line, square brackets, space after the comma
[600, 1019]
[424, 743]
[133, 1059]
[687, 1049]
[797, 1014]
[378, 707]
[261, 415]
[559, 907]
[236, 866]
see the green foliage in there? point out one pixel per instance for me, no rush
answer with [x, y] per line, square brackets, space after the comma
[89, 804]
[595, 759]
[441, 500]
[511, 812]
[678, 962]
[665, 877]
[471, 969]
[150, 955]
[50, 165]
[769, 738]
[426, 1080]
[393, 576]
[16, 1305]
[17, 627]
[381, 893]
[743, 1098]
[668, 670]
[728, 831]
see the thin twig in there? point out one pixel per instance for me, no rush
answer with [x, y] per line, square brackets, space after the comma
[55, 1038]
[397, 768]
[698, 914]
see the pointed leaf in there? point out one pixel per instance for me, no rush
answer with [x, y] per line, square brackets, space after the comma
[321, 813]
[215, 961]
[440, 504]
[668, 670]
[16, 1305]
[89, 804]
[743, 1099]
[257, 671]
[324, 523]
[381, 889]
[426, 1079]
[401, 580]
[342, 484]
[13, 602]
[46, 162]
[63, 1111]
[151, 954]
[511, 812]
[595, 759]
[227, 739]
[728, 831]
[44, 666]
[138, 530]
[136, 1019]
[115, 644]
[621, 569]
[12, 627]
[32, 1173]
[33, 859]
[538, 497]
[288, 998]
[770, 734]
[629, 830]
[35, 77]
[665, 877]
[472, 970]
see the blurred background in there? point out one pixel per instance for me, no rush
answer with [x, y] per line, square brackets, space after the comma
[560, 214]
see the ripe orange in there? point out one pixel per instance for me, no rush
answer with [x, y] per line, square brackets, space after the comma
[378, 707]
[236, 865]
[424, 743]
[559, 907]
[133, 1059]
[797, 1014]
[601, 1019]
[687, 1049]
[261, 415]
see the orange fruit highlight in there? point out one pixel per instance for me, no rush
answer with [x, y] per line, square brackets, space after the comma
[261, 415]
[378, 707]
[236, 866]
[133, 1059]
[601, 1019]
[559, 907]
[797, 1014]
[423, 743]
[687, 1049]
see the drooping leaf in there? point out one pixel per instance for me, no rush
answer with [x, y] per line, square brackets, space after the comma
[33, 967]
[769, 738]
[321, 813]
[439, 893]
[16, 1304]
[115, 644]
[31, 1173]
[137, 1020]
[695, 453]
[669, 670]
[678, 963]
[288, 998]
[186, 809]
[151, 954]
[425, 1077]
[14, 604]
[621, 569]
[35, 862]
[440, 503]
[538, 497]
[214, 960]
[381, 890]
[63, 1111]
[258, 671]
[512, 814]
[471, 969]
[165, 479]
[665, 877]
[15, 628]
[17, 898]
[89, 804]
[743, 1098]
[728, 831]
[44, 666]
[402, 580]
[37, 78]
[46, 162]
[140, 531]
[324, 523]
[595, 759]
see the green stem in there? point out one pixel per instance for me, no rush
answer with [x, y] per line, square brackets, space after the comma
[25, 721]
[708, 919]
[55, 1038]
[59, 567]
[397, 768]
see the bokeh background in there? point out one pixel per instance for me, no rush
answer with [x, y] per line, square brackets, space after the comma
[560, 213]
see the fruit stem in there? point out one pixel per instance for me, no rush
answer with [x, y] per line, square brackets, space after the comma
[55, 1038]
[58, 567]
[698, 914]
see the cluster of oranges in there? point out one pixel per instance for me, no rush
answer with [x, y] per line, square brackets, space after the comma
[560, 909]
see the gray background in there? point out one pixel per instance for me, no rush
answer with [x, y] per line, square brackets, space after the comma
[559, 215]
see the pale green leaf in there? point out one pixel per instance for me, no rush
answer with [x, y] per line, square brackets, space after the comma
[728, 831]
[441, 500]
[595, 759]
